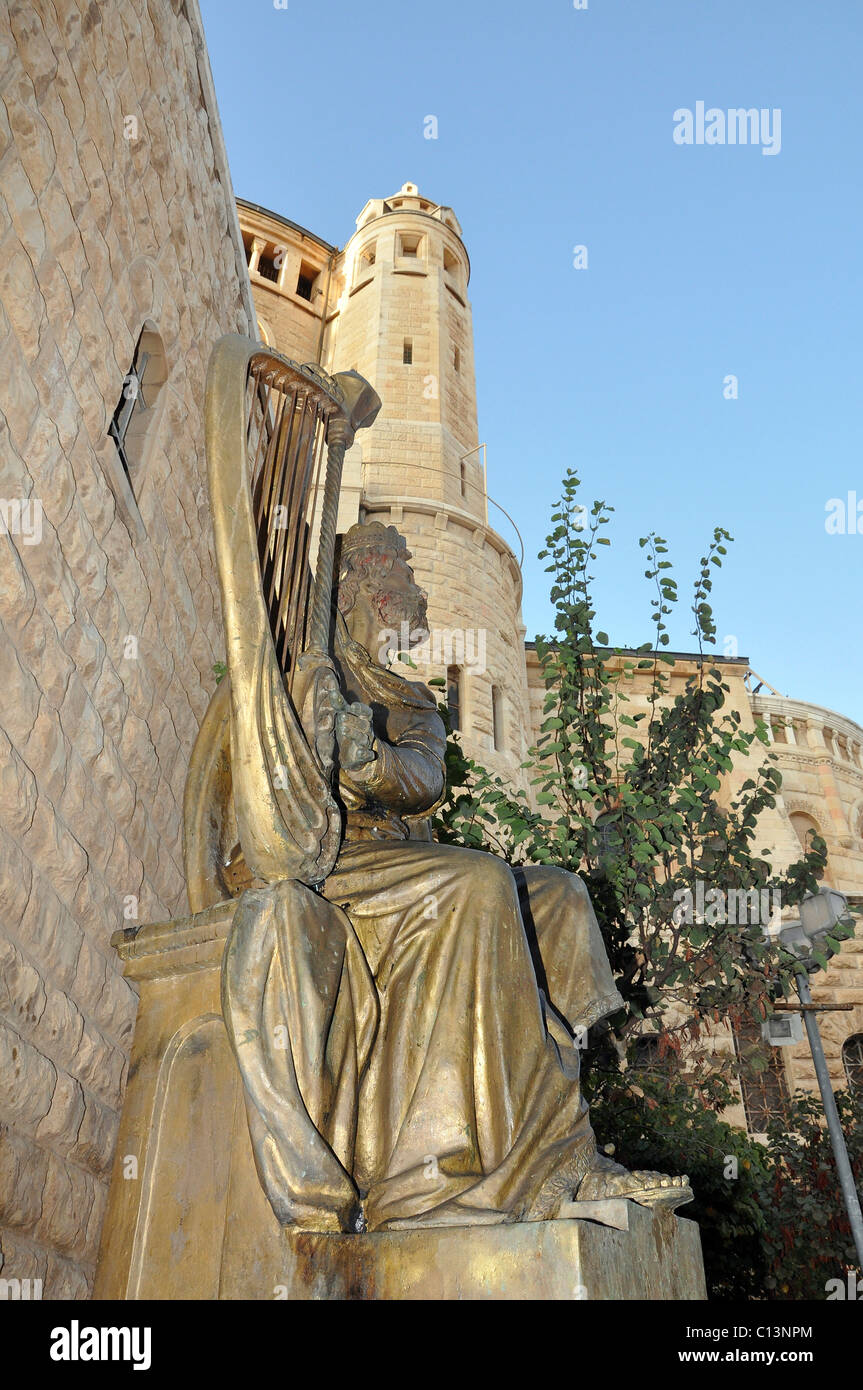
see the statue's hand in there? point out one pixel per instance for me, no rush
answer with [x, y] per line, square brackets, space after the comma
[354, 735]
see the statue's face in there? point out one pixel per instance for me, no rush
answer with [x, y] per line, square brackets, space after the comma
[389, 610]
[401, 601]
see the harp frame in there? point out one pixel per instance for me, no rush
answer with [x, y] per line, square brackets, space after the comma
[267, 422]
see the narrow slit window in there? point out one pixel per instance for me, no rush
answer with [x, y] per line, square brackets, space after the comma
[456, 359]
[453, 695]
[497, 717]
[408, 352]
[135, 420]
[306, 281]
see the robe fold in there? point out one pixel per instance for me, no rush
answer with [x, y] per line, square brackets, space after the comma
[402, 1065]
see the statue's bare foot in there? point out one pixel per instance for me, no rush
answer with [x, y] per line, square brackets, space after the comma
[609, 1179]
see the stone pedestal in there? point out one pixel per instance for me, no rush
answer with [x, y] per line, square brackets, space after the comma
[187, 1218]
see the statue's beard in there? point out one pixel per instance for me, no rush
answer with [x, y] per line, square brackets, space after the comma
[398, 607]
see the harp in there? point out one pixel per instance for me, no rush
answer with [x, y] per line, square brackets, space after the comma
[276, 435]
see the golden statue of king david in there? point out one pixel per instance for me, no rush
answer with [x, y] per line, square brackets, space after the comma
[402, 1067]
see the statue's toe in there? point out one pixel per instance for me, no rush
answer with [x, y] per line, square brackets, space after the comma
[645, 1186]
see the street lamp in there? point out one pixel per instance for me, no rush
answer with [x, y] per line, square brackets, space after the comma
[819, 913]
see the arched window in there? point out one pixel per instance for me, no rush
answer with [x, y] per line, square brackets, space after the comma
[852, 1060]
[453, 695]
[803, 824]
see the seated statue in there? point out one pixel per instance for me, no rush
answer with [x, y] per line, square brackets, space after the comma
[406, 1030]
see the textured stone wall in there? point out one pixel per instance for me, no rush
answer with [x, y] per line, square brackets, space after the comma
[98, 233]
[820, 756]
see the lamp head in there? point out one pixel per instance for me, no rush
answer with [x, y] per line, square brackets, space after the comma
[819, 913]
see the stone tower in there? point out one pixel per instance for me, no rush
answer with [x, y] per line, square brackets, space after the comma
[405, 323]
[392, 305]
[403, 320]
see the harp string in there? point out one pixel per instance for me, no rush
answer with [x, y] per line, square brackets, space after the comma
[282, 467]
[295, 628]
[286, 419]
[254, 389]
[282, 521]
[290, 604]
[260, 474]
[295, 508]
[258, 462]
[268, 437]
[275, 484]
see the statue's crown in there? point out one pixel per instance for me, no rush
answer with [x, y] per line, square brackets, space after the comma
[373, 535]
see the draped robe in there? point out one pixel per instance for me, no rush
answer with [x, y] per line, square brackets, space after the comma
[403, 1065]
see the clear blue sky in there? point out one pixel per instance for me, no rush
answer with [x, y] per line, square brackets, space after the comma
[555, 128]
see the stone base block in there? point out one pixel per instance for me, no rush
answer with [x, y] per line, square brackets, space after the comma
[187, 1217]
[658, 1257]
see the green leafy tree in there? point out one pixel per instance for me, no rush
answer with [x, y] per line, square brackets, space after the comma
[630, 797]
[808, 1240]
[633, 793]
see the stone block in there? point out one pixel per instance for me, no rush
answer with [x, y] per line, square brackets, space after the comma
[656, 1256]
[61, 1124]
[23, 1170]
[197, 1224]
[26, 1081]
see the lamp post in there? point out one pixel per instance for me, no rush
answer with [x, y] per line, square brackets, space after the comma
[819, 913]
